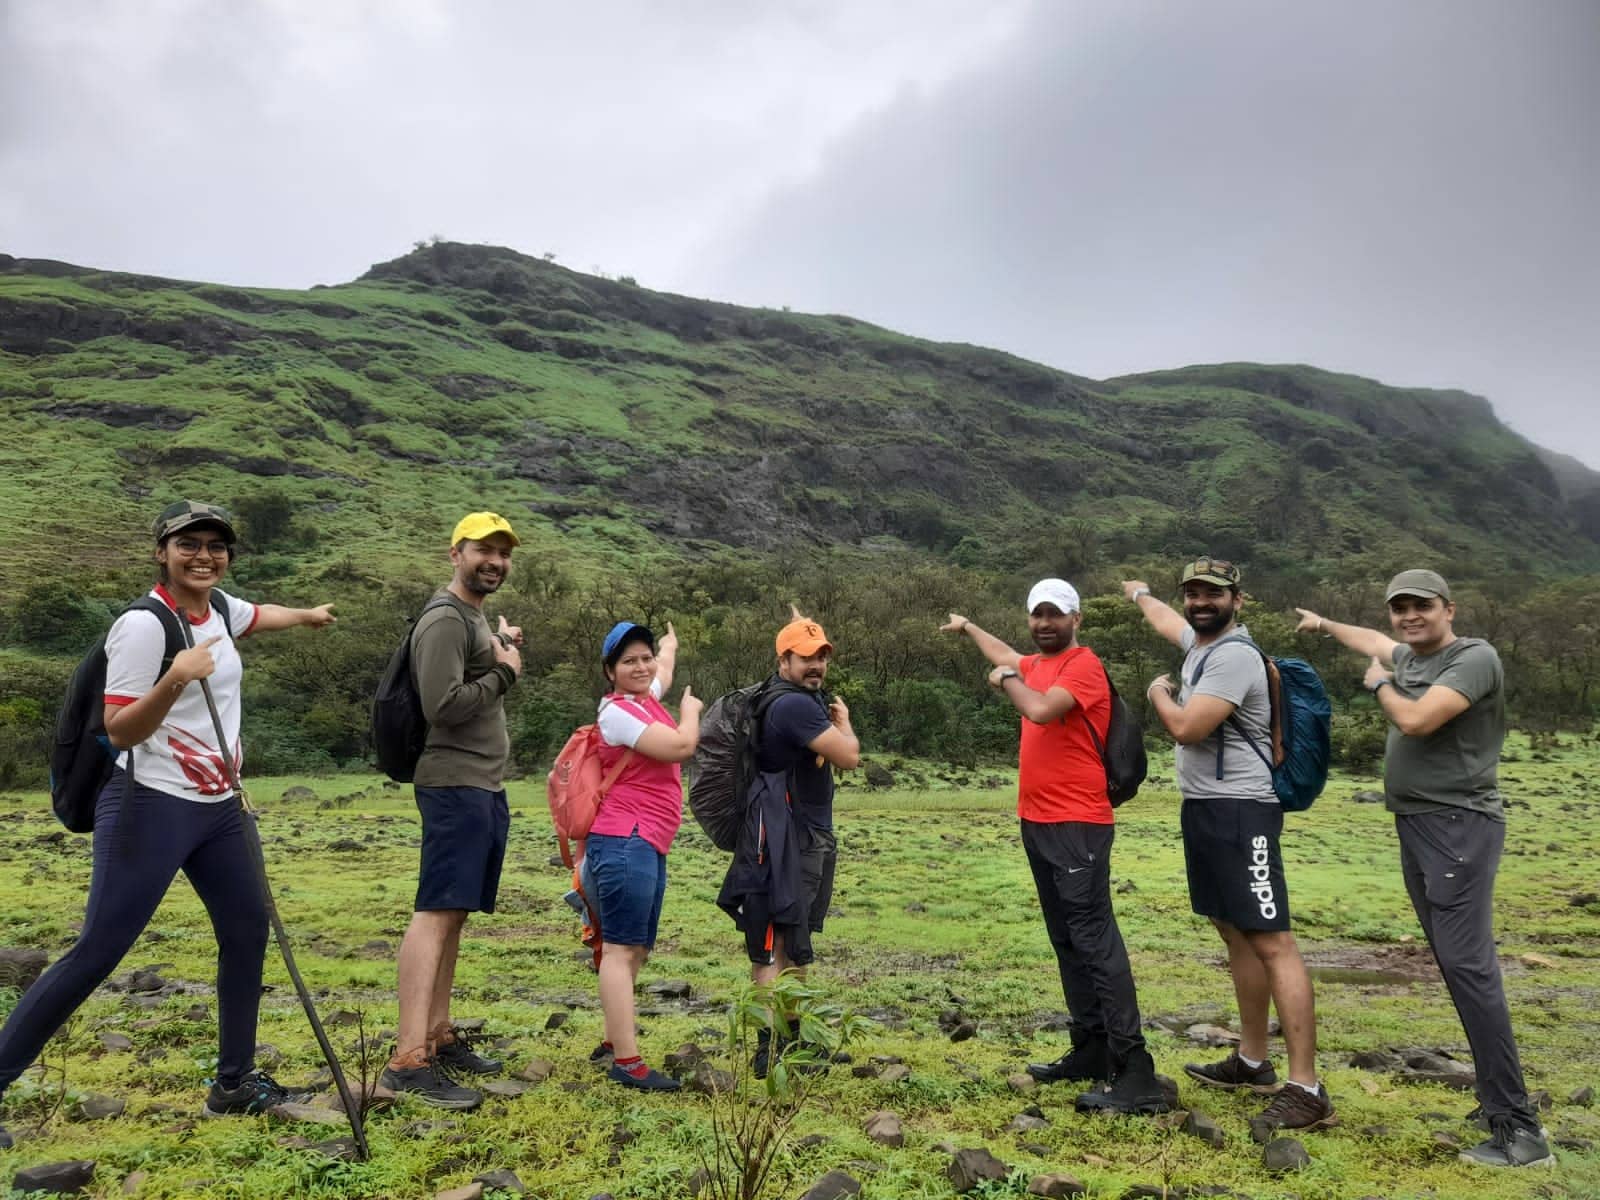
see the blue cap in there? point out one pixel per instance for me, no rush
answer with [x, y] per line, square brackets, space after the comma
[620, 632]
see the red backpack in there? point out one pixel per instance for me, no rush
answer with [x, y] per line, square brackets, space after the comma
[576, 787]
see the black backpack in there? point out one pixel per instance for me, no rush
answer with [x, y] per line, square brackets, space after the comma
[725, 759]
[82, 756]
[1122, 753]
[399, 731]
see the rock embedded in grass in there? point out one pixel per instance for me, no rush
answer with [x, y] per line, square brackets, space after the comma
[1284, 1154]
[57, 1178]
[886, 1129]
[971, 1167]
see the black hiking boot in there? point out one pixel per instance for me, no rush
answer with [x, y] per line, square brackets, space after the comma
[1510, 1144]
[1087, 1062]
[1134, 1089]
[1294, 1108]
[459, 1056]
[430, 1084]
[651, 1081]
[256, 1093]
[1234, 1072]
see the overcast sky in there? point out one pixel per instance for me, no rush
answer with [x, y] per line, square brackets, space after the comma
[1404, 190]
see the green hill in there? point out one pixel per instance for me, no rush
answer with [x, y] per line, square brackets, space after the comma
[609, 420]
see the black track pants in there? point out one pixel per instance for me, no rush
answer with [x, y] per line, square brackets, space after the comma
[1449, 859]
[1071, 863]
[140, 843]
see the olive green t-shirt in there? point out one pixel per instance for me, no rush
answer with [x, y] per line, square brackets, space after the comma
[462, 689]
[1457, 765]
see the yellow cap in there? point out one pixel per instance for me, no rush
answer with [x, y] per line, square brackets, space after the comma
[480, 525]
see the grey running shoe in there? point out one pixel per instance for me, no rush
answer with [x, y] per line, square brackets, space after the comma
[458, 1055]
[256, 1093]
[1088, 1063]
[431, 1085]
[1234, 1072]
[1510, 1145]
[1296, 1108]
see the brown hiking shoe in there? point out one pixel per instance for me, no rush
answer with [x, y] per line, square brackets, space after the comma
[1234, 1072]
[1294, 1108]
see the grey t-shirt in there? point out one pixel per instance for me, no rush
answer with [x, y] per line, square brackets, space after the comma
[1234, 672]
[1458, 764]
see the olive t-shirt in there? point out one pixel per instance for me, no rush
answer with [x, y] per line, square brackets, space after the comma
[1457, 765]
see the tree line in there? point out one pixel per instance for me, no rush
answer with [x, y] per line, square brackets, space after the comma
[912, 691]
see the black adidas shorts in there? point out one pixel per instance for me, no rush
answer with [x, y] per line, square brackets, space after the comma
[1230, 848]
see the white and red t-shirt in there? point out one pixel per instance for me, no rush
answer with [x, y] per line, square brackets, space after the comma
[182, 757]
[649, 793]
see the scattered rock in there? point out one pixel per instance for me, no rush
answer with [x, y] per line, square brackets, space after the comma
[19, 967]
[1197, 1124]
[535, 1070]
[1056, 1185]
[1583, 1097]
[1284, 1154]
[471, 1191]
[885, 1129]
[835, 1185]
[501, 1178]
[116, 1042]
[505, 1089]
[61, 1178]
[309, 1113]
[98, 1108]
[343, 1149]
[969, 1168]
[895, 1073]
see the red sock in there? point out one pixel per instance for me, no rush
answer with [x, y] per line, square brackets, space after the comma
[634, 1066]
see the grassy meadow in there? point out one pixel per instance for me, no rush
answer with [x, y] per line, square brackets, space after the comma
[934, 911]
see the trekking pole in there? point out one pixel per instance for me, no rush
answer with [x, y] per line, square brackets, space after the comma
[352, 1111]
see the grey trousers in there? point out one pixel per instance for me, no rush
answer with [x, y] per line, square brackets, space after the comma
[1071, 863]
[1449, 859]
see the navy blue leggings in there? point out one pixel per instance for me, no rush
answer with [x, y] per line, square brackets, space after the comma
[140, 843]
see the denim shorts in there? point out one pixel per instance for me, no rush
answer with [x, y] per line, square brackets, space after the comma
[630, 880]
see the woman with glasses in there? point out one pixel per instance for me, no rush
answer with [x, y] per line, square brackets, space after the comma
[169, 806]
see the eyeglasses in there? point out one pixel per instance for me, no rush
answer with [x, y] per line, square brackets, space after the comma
[189, 547]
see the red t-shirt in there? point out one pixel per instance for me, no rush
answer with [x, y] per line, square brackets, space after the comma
[1062, 777]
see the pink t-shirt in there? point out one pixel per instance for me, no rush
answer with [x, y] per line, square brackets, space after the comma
[648, 795]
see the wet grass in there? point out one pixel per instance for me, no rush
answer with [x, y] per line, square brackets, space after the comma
[934, 911]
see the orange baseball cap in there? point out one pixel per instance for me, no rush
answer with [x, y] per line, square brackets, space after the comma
[803, 637]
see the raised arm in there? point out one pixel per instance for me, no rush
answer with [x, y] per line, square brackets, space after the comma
[1363, 641]
[992, 648]
[1163, 618]
[276, 616]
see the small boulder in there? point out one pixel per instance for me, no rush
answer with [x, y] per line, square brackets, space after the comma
[885, 1129]
[59, 1178]
[501, 1178]
[1284, 1154]
[969, 1168]
[835, 1185]
[1197, 1124]
[1056, 1184]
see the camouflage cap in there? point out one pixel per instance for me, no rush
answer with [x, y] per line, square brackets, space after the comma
[182, 514]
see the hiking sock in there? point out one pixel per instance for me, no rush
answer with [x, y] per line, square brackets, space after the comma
[1250, 1062]
[633, 1066]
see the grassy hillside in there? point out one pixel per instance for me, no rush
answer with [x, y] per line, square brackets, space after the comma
[611, 421]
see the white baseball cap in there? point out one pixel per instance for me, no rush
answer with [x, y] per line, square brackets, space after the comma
[1054, 591]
